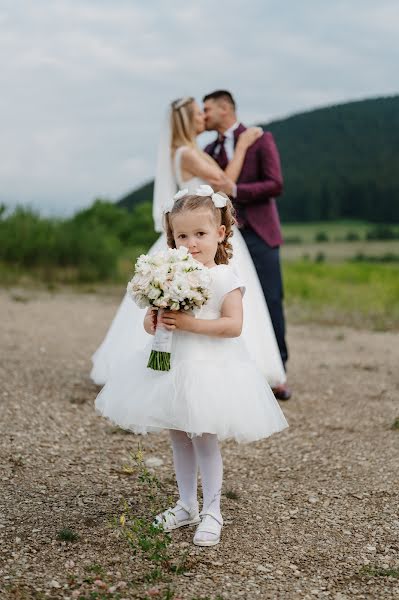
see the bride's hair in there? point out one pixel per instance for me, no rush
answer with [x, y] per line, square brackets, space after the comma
[222, 216]
[181, 122]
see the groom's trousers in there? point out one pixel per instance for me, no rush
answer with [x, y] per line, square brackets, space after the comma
[267, 264]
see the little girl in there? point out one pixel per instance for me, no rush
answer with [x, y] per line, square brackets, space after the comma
[213, 390]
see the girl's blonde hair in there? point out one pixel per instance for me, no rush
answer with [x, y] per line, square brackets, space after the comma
[222, 216]
[181, 123]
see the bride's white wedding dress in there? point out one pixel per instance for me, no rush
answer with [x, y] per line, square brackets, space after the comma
[127, 327]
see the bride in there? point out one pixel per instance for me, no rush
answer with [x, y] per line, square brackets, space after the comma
[181, 163]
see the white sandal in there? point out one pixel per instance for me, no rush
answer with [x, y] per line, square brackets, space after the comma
[168, 519]
[213, 527]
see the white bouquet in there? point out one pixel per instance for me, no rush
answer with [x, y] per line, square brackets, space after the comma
[171, 280]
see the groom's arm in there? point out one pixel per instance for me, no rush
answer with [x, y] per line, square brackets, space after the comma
[270, 183]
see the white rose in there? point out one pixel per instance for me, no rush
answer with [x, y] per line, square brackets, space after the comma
[154, 293]
[194, 278]
[143, 280]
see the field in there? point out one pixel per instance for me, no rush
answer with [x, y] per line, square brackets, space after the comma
[336, 231]
[310, 514]
[337, 281]
[339, 241]
[356, 294]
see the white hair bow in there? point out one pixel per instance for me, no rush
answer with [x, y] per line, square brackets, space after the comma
[169, 205]
[206, 190]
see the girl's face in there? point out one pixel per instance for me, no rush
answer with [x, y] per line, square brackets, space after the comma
[197, 231]
[198, 119]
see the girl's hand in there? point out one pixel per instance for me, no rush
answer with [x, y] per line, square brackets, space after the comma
[150, 321]
[176, 319]
[249, 136]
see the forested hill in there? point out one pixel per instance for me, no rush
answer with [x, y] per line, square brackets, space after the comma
[142, 194]
[339, 162]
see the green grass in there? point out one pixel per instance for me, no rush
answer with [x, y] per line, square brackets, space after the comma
[379, 572]
[95, 568]
[231, 495]
[357, 294]
[67, 535]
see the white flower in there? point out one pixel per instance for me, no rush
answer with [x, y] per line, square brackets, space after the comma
[194, 278]
[154, 293]
[142, 280]
[141, 301]
[171, 279]
[182, 251]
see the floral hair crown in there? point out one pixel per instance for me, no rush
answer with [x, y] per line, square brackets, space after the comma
[203, 190]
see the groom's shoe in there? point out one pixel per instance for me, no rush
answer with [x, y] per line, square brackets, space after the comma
[282, 392]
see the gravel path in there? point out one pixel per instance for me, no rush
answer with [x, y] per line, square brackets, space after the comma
[310, 513]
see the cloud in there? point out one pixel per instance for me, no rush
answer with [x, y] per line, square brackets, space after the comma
[85, 85]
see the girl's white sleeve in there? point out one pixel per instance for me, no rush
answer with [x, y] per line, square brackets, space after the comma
[230, 281]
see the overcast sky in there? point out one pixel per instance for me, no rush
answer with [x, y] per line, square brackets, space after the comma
[84, 84]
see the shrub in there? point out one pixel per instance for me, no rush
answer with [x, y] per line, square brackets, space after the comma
[388, 257]
[320, 257]
[352, 236]
[321, 236]
[29, 241]
[382, 232]
[293, 239]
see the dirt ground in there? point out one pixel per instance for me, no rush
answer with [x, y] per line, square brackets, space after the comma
[314, 513]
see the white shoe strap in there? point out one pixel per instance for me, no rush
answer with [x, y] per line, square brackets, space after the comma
[209, 513]
[192, 512]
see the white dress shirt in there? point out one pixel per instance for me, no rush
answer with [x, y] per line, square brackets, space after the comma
[229, 141]
[229, 147]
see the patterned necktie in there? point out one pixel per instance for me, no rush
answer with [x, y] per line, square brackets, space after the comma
[221, 156]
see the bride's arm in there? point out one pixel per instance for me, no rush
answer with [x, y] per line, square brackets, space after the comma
[246, 139]
[199, 164]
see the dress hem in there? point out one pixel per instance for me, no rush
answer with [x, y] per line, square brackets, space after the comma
[146, 429]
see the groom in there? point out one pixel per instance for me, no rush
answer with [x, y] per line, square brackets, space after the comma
[260, 181]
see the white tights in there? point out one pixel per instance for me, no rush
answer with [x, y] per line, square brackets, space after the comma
[189, 454]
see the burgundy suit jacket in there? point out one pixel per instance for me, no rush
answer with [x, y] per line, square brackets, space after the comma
[260, 181]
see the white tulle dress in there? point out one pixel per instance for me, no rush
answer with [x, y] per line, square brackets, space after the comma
[127, 329]
[213, 386]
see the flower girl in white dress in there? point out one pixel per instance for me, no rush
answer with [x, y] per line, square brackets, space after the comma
[213, 390]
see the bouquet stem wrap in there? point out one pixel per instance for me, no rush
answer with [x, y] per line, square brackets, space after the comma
[161, 348]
